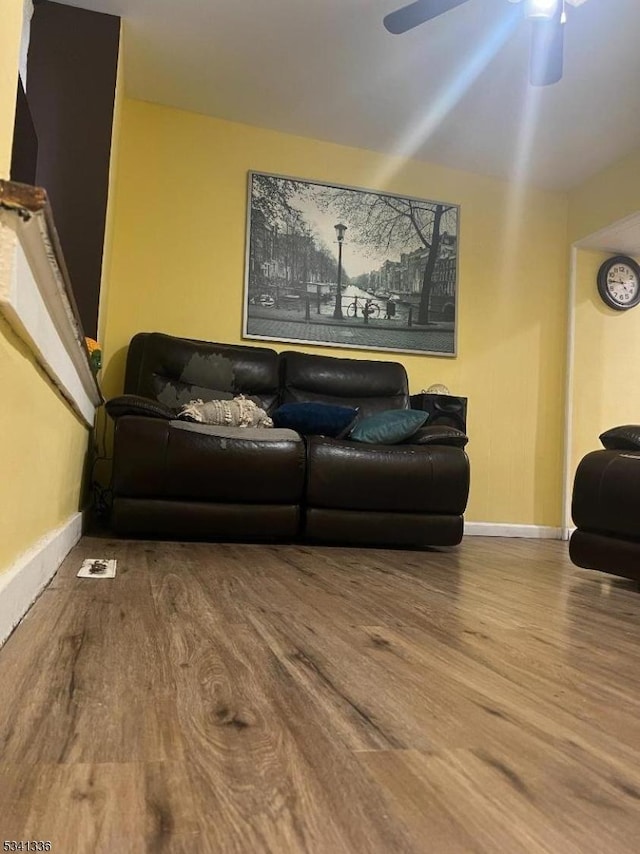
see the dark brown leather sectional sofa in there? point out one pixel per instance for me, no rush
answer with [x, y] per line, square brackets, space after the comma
[176, 479]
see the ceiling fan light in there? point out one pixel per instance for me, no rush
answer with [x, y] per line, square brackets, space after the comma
[541, 9]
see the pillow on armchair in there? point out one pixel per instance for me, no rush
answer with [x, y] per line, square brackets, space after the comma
[623, 438]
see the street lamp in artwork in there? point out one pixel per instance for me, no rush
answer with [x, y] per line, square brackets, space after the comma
[337, 312]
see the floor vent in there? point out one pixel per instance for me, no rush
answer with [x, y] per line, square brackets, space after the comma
[98, 567]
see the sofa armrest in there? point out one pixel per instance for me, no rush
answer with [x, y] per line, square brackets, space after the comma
[438, 434]
[623, 438]
[135, 404]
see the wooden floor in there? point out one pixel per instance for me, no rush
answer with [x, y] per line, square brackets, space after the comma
[239, 698]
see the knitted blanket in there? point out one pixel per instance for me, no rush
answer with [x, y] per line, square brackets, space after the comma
[239, 412]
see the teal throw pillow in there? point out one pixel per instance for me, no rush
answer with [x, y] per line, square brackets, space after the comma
[388, 427]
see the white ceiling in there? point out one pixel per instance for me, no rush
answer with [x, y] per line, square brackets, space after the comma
[452, 91]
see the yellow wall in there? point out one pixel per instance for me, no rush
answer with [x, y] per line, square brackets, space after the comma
[44, 444]
[42, 452]
[606, 342]
[178, 267]
[10, 34]
[609, 196]
[606, 353]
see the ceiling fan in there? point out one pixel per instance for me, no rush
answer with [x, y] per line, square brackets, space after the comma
[547, 30]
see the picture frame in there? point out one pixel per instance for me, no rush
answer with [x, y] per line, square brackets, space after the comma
[342, 266]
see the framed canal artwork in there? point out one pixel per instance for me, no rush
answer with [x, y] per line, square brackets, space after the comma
[347, 267]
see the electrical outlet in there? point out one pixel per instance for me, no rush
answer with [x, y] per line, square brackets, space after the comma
[98, 567]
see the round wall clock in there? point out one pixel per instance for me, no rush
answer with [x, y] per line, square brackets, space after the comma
[619, 282]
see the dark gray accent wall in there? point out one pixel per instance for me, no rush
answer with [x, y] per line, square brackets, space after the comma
[71, 80]
[24, 154]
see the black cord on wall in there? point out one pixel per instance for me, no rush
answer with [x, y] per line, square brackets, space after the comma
[102, 496]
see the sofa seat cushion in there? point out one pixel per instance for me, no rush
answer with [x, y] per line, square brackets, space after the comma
[179, 460]
[224, 431]
[396, 478]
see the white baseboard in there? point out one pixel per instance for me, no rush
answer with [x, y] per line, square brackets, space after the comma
[21, 585]
[494, 529]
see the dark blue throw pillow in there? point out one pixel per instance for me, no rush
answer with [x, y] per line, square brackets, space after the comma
[315, 419]
[389, 427]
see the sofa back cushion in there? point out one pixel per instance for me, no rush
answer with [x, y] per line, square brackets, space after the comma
[371, 386]
[177, 370]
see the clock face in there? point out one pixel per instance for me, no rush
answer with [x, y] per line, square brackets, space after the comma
[622, 283]
[619, 282]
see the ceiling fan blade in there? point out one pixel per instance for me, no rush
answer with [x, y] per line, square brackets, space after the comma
[417, 13]
[547, 51]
